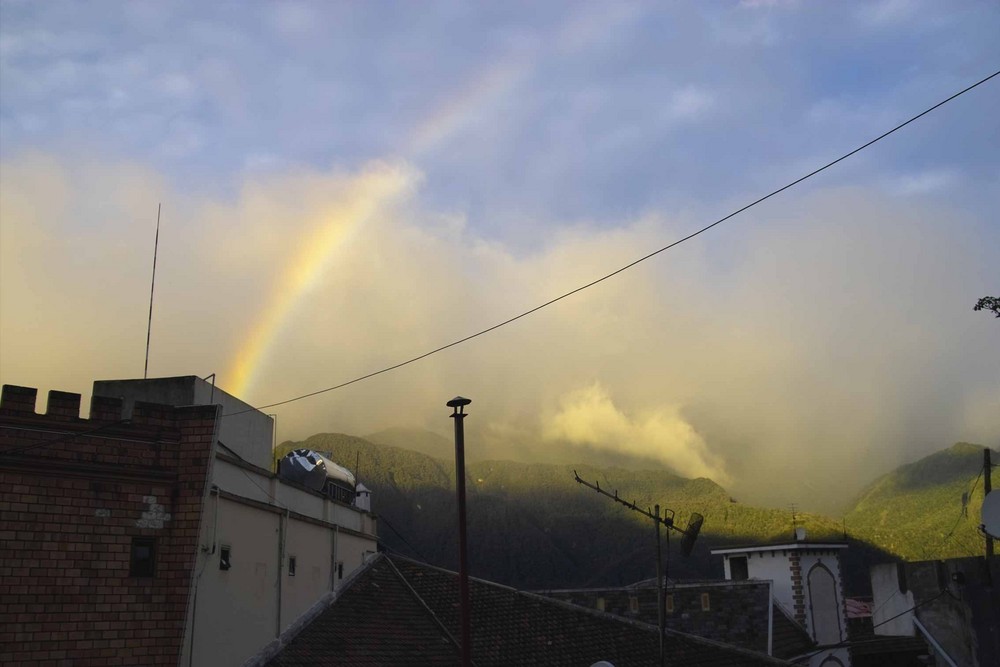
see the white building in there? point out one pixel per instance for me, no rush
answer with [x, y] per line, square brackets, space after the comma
[807, 583]
[270, 549]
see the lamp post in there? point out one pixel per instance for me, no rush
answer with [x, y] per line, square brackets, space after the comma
[458, 414]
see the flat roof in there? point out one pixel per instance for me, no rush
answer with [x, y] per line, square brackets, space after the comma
[781, 546]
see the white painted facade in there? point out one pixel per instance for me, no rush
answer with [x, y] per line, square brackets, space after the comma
[892, 609]
[807, 583]
[244, 590]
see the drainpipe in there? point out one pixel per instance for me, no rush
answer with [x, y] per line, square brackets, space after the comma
[282, 530]
[333, 571]
[770, 618]
[197, 579]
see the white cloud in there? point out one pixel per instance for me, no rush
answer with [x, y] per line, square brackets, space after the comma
[589, 417]
[925, 182]
[836, 336]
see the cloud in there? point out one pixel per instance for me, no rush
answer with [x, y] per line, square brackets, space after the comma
[818, 341]
[589, 417]
[927, 181]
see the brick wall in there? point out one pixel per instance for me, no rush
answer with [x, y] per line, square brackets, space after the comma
[737, 613]
[70, 507]
[798, 590]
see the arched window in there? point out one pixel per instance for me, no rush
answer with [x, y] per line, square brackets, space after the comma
[824, 603]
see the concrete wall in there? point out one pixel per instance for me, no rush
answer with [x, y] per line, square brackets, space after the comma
[312, 548]
[772, 566]
[888, 602]
[243, 429]
[235, 610]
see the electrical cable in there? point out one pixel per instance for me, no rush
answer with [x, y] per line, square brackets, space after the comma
[68, 438]
[627, 266]
[405, 541]
[963, 513]
[847, 644]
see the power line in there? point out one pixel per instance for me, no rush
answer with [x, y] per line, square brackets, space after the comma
[964, 513]
[849, 643]
[68, 438]
[415, 550]
[627, 266]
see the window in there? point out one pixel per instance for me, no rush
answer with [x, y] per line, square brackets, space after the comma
[224, 562]
[738, 569]
[340, 570]
[705, 606]
[633, 604]
[291, 566]
[600, 604]
[142, 562]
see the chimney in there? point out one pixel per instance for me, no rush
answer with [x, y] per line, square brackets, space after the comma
[800, 534]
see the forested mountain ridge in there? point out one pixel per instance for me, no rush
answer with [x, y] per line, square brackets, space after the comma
[533, 526]
[917, 510]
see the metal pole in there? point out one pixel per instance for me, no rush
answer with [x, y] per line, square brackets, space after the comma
[987, 487]
[458, 404]
[660, 606]
[152, 287]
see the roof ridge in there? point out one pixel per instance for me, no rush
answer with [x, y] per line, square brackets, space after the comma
[427, 608]
[603, 615]
[276, 645]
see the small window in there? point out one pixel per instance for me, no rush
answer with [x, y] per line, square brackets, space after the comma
[291, 566]
[224, 562]
[600, 604]
[738, 568]
[633, 604]
[142, 562]
[670, 603]
[705, 606]
[340, 570]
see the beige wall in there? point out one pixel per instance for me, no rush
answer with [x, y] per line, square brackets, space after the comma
[235, 610]
[312, 548]
[234, 613]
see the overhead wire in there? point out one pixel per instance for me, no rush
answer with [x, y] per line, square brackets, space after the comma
[964, 513]
[849, 643]
[630, 264]
[415, 550]
[67, 438]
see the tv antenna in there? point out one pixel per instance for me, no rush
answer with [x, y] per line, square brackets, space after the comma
[666, 519]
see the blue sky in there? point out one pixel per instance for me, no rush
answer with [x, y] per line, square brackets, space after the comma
[523, 148]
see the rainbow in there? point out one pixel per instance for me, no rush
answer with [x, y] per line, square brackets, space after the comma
[363, 198]
[496, 82]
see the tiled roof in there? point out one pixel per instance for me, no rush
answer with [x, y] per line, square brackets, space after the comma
[788, 638]
[376, 621]
[400, 612]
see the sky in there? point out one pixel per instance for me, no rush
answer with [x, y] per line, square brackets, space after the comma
[345, 186]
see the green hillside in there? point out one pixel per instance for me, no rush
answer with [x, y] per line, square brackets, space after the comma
[533, 526]
[416, 440]
[913, 510]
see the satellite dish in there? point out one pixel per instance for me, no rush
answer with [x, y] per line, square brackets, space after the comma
[991, 514]
[691, 533]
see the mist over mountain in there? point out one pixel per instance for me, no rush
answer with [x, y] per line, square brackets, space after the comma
[532, 526]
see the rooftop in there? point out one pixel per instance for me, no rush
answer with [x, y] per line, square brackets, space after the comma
[402, 612]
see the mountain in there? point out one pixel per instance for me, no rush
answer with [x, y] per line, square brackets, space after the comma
[533, 526]
[416, 440]
[917, 512]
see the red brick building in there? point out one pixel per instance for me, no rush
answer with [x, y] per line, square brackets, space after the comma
[99, 528]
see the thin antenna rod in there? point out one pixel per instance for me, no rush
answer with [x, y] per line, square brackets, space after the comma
[152, 286]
